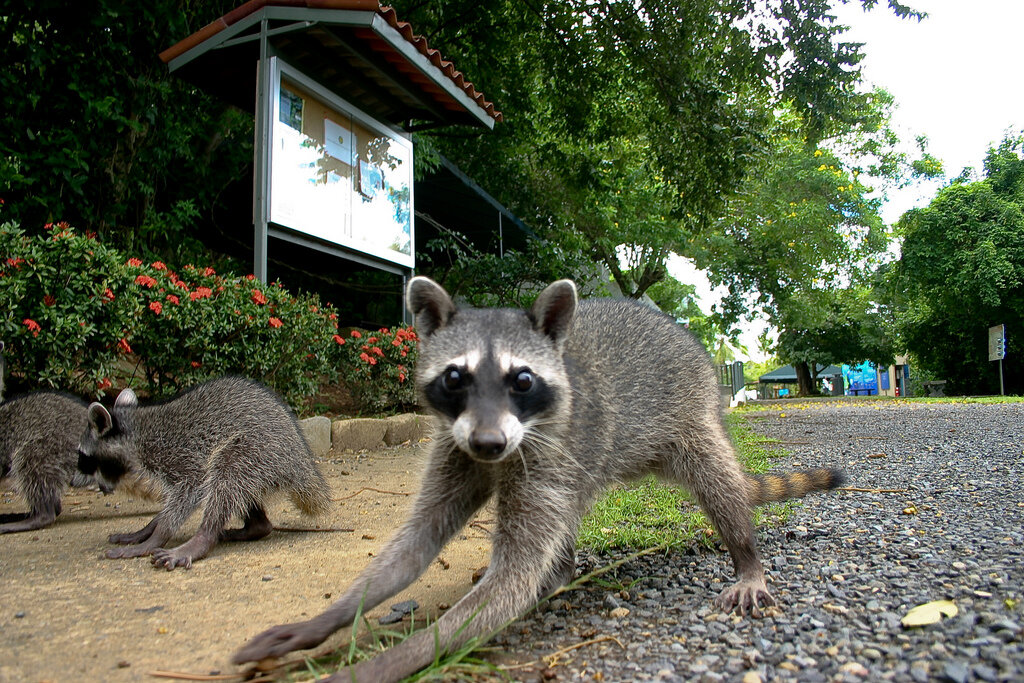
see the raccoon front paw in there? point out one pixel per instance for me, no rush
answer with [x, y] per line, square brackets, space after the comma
[746, 595]
[169, 559]
[280, 640]
[127, 551]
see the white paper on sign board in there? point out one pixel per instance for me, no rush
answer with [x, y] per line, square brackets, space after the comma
[338, 141]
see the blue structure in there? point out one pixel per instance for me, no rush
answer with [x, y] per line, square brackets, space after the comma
[861, 380]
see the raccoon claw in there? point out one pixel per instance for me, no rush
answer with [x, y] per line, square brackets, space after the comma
[280, 640]
[170, 560]
[748, 595]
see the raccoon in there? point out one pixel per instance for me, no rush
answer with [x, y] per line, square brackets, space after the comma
[543, 409]
[224, 445]
[38, 440]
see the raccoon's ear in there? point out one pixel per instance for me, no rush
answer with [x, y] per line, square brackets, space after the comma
[431, 305]
[99, 419]
[553, 311]
[127, 397]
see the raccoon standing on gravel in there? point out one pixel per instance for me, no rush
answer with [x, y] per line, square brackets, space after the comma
[544, 409]
[38, 441]
[224, 445]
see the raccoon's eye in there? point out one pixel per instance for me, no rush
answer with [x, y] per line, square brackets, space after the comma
[523, 381]
[452, 379]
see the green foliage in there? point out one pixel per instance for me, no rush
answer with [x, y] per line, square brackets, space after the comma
[80, 316]
[377, 366]
[629, 125]
[65, 309]
[97, 132]
[512, 279]
[961, 272]
[200, 325]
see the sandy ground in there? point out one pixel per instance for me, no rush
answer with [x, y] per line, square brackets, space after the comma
[67, 614]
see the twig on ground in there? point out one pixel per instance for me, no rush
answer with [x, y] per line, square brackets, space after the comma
[369, 488]
[302, 528]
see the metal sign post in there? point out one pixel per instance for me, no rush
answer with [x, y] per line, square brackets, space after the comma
[997, 350]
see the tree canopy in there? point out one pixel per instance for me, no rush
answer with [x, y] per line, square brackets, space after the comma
[961, 272]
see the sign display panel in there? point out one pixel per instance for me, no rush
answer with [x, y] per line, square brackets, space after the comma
[337, 175]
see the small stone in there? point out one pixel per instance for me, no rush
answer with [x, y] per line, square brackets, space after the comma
[855, 669]
[752, 677]
[618, 612]
[123, 664]
[19, 615]
[267, 577]
[957, 672]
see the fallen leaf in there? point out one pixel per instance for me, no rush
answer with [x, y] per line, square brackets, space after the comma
[929, 613]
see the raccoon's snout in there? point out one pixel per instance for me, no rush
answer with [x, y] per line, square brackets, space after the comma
[487, 444]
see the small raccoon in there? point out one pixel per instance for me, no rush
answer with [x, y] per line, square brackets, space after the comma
[38, 442]
[542, 410]
[223, 445]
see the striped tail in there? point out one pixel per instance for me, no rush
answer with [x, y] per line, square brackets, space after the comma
[766, 488]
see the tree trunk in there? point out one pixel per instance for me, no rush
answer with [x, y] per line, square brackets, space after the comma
[805, 385]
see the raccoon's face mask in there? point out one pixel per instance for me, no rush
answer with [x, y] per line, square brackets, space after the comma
[495, 376]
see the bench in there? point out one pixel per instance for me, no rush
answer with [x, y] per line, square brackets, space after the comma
[934, 387]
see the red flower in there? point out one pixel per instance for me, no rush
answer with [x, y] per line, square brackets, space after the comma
[158, 265]
[209, 271]
[16, 262]
[275, 322]
[396, 342]
[135, 262]
[371, 340]
[173, 299]
[401, 377]
[90, 235]
[201, 293]
[339, 339]
[376, 351]
[122, 345]
[258, 298]
[48, 300]
[196, 364]
[32, 326]
[333, 316]
[250, 277]
[355, 334]
[181, 284]
[145, 281]
[156, 307]
[108, 294]
[104, 384]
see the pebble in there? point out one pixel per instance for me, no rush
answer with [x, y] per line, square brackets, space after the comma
[845, 566]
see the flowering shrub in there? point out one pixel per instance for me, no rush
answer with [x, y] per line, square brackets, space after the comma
[65, 310]
[197, 324]
[74, 311]
[377, 366]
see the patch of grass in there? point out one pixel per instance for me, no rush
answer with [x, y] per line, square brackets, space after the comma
[651, 513]
[466, 663]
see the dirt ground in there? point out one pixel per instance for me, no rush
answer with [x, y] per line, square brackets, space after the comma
[68, 614]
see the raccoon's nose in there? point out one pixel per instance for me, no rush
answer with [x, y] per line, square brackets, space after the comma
[487, 442]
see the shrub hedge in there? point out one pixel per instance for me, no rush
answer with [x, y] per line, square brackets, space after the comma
[82, 317]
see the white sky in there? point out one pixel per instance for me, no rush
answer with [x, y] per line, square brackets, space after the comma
[957, 77]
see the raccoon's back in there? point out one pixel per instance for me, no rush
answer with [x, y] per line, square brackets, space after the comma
[52, 418]
[637, 376]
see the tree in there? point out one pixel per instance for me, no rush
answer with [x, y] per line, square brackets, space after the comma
[798, 241]
[628, 125]
[962, 271]
[97, 133]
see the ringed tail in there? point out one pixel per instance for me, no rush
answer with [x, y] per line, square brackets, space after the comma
[767, 488]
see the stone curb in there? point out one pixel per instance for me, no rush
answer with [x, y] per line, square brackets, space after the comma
[363, 433]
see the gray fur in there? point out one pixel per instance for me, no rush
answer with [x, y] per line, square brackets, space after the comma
[614, 391]
[38, 449]
[223, 445]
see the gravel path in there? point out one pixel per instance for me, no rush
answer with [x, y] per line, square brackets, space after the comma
[945, 522]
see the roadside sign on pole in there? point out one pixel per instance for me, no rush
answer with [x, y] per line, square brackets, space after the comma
[997, 342]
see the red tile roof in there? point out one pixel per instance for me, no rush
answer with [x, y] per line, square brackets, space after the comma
[385, 12]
